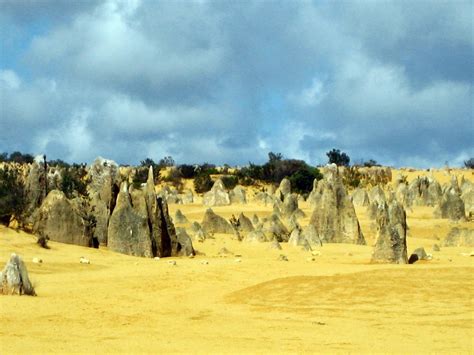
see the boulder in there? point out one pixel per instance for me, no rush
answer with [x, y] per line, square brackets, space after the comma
[377, 195]
[14, 278]
[61, 220]
[468, 198]
[264, 198]
[459, 237]
[424, 191]
[255, 236]
[420, 253]
[391, 244]
[213, 223]
[290, 205]
[35, 185]
[334, 215]
[187, 197]
[217, 196]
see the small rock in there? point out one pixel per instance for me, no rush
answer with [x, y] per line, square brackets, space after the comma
[238, 255]
[191, 256]
[349, 254]
[83, 260]
[172, 262]
[205, 262]
[436, 247]
[310, 259]
[316, 253]
[282, 257]
[238, 260]
[156, 258]
[37, 260]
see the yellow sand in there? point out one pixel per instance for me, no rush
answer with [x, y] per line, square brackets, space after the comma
[337, 303]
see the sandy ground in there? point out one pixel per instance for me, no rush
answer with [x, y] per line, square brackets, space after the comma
[245, 303]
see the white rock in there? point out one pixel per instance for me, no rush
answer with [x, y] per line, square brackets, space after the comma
[83, 260]
[37, 260]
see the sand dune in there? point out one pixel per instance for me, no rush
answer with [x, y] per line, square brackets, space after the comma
[337, 303]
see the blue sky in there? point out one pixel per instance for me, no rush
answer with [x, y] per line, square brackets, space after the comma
[229, 81]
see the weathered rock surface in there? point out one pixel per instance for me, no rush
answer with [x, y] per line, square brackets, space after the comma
[334, 215]
[283, 190]
[238, 195]
[128, 231]
[14, 278]
[273, 229]
[459, 237]
[180, 218]
[61, 220]
[185, 244]
[217, 196]
[451, 206]
[213, 223]
[391, 234]
[360, 198]
[103, 189]
[424, 191]
[245, 225]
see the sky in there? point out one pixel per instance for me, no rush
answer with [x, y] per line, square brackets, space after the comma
[229, 81]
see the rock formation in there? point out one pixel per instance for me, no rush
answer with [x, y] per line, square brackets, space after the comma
[14, 278]
[450, 206]
[360, 198]
[238, 195]
[180, 218]
[245, 225]
[102, 191]
[391, 234]
[213, 223]
[61, 220]
[459, 237]
[283, 190]
[334, 216]
[217, 196]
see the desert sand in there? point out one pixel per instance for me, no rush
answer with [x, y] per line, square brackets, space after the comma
[245, 302]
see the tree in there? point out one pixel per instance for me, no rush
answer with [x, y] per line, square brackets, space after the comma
[469, 163]
[337, 157]
[187, 171]
[20, 158]
[166, 162]
[370, 163]
[302, 180]
[146, 164]
[12, 194]
[203, 183]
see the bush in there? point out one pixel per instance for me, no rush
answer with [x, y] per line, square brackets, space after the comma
[302, 180]
[12, 194]
[73, 180]
[166, 162]
[370, 163]
[469, 163]
[230, 181]
[207, 168]
[174, 177]
[156, 168]
[203, 183]
[187, 171]
[337, 157]
[140, 177]
[352, 177]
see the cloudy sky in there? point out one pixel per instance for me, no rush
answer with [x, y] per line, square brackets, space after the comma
[229, 81]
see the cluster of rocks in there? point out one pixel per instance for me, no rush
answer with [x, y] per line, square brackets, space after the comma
[126, 219]
[218, 195]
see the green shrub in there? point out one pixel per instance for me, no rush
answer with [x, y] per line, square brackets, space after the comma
[337, 157]
[302, 180]
[187, 171]
[73, 180]
[12, 194]
[203, 183]
[230, 181]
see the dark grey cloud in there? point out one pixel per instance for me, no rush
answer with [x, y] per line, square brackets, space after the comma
[230, 81]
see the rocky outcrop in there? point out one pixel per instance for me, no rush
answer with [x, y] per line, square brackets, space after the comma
[213, 223]
[424, 191]
[244, 224]
[14, 278]
[35, 185]
[360, 198]
[185, 245]
[283, 190]
[334, 215]
[238, 195]
[451, 206]
[391, 244]
[128, 231]
[102, 191]
[273, 229]
[180, 218]
[459, 237]
[217, 196]
[61, 220]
